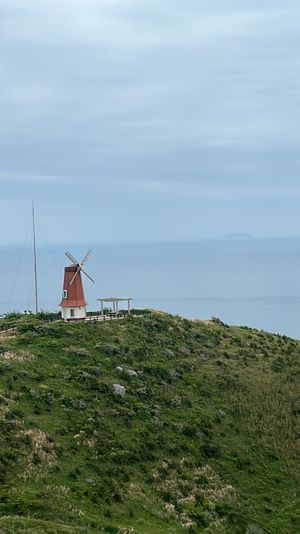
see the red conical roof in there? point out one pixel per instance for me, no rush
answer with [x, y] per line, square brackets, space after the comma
[73, 295]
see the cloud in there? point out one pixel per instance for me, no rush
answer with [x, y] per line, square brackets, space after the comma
[129, 95]
[217, 191]
[142, 24]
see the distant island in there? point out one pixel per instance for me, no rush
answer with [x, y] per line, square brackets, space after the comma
[238, 236]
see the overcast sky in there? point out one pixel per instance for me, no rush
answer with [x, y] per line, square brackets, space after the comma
[149, 119]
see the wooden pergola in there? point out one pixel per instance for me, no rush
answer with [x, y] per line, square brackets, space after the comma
[114, 301]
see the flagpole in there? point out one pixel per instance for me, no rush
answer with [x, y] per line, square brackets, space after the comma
[35, 261]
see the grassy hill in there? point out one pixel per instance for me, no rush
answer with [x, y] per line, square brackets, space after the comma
[202, 436]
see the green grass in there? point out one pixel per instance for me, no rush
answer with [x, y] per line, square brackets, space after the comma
[206, 438]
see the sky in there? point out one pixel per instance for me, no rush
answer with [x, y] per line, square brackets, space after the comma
[131, 120]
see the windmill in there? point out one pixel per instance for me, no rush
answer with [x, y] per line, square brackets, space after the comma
[73, 304]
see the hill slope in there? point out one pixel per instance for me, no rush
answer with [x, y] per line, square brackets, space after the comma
[204, 437]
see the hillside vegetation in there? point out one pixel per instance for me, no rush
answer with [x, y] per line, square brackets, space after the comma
[149, 425]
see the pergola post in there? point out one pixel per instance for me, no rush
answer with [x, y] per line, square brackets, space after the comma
[114, 302]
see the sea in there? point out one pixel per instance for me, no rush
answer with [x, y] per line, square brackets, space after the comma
[242, 281]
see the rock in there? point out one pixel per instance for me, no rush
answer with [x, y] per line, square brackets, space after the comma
[131, 372]
[119, 390]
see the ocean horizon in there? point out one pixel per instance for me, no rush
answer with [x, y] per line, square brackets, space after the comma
[243, 281]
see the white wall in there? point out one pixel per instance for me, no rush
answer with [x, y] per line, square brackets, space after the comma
[79, 313]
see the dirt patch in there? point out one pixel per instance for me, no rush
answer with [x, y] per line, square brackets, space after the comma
[16, 357]
[7, 337]
[203, 321]
[8, 334]
[42, 455]
[5, 400]
[183, 487]
[5, 406]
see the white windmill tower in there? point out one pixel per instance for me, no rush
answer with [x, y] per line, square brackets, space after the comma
[73, 303]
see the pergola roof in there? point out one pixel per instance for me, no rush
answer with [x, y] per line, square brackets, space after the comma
[114, 299]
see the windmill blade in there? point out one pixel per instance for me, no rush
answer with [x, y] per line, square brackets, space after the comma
[78, 270]
[71, 258]
[86, 257]
[86, 274]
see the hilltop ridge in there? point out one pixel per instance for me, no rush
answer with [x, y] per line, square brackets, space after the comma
[149, 425]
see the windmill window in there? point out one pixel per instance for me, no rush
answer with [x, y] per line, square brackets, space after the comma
[72, 313]
[65, 294]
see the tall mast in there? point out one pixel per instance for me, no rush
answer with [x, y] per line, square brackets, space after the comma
[34, 262]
